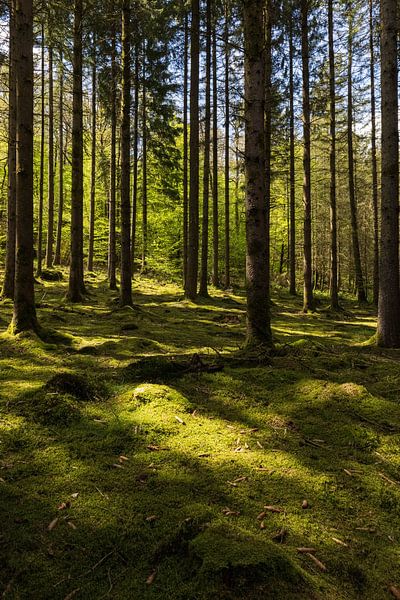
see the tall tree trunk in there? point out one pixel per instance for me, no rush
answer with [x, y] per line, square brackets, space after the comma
[308, 303]
[361, 295]
[135, 156]
[389, 288]
[193, 210]
[257, 275]
[9, 271]
[373, 158]
[76, 282]
[203, 290]
[92, 217]
[215, 270]
[126, 265]
[185, 147]
[41, 172]
[292, 200]
[57, 254]
[24, 317]
[112, 259]
[144, 166]
[237, 179]
[50, 192]
[268, 124]
[332, 162]
[227, 152]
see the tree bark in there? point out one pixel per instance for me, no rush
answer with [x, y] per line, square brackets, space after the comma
[292, 170]
[112, 280]
[227, 150]
[9, 271]
[185, 147]
[268, 124]
[308, 298]
[374, 159]
[41, 172]
[24, 316]
[257, 275]
[361, 295]
[332, 163]
[144, 165]
[76, 281]
[193, 209]
[389, 289]
[92, 217]
[126, 265]
[57, 254]
[203, 290]
[135, 157]
[50, 192]
[215, 216]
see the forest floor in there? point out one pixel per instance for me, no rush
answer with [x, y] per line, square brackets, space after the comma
[147, 478]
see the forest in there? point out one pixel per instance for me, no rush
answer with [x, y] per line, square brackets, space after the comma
[199, 300]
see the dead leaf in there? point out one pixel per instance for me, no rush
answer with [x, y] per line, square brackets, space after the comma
[151, 577]
[280, 536]
[262, 525]
[349, 473]
[180, 421]
[72, 594]
[395, 591]
[123, 458]
[385, 478]
[273, 509]
[260, 445]
[261, 516]
[75, 495]
[230, 513]
[117, 466]
[53, 524]
[153, 448]
[71, 524]
[151, 518]
[64, 505]
[317, 562]
[339, 542]
[305, 504]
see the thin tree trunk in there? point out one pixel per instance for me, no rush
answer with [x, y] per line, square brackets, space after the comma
[126, 265]
[193, 209]
[268, 123]
[215, 271]
[24, 317]
[361, 295]
[373, 158]
[257, 275]
[144, 166]
[9, 271]
[50, 192]
[292, 200]
[227, 153]
[76, 282]
[41, 173]
[185, 148]
[57, 255]
[203, 291]
[389, 288]
[135, 156]
[332, 162]
[92, 217]
[308, 302]
[112, 280]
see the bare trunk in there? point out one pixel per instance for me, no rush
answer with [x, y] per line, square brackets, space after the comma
[257, 275]
[92, 217]
[185, 148]
[112, 280]
[41, 172]
[24, 317]
[9, 272]
[215, 271]
[389, 289]
[203, 291]
[144, 168]
[50, 193]
[57, 255]
[227, 165]
[292, 201]
[135, 157]
[374, 159]
[126, 266]
[193, 210]
[76, 282]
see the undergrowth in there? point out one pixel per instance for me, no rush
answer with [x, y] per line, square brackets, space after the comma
[129, 469]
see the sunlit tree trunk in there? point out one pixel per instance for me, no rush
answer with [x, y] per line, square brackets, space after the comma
[185, 147]
[144, 165]
[292, 201]
[373, 158]
[92, 216]
[135, 157]
[227, 149]
[57, 254]
[112, 259]
[41, 168]
[50, 162]
[215, 219]
[126, 266]
[257, 275]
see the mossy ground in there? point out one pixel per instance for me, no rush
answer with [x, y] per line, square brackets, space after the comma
[156, 483]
